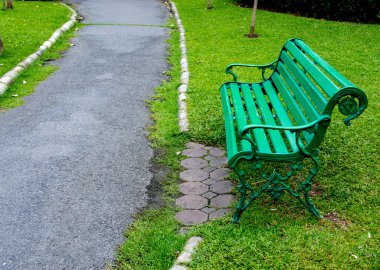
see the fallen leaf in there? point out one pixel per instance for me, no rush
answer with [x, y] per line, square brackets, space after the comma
[355, 256]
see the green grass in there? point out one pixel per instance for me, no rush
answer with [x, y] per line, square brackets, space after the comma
[23, 30]
[348, 180]
[288, 237]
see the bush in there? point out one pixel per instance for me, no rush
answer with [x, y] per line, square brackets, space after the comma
[340, 10]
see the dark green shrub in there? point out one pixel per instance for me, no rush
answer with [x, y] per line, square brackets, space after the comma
[341, 10]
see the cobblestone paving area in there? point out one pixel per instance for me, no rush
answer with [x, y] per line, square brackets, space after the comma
[206, 193]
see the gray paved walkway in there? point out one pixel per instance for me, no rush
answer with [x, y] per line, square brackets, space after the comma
[74, 160]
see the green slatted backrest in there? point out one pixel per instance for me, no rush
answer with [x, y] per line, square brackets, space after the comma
[311, 80]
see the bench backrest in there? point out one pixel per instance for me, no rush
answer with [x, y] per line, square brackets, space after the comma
[314, 84]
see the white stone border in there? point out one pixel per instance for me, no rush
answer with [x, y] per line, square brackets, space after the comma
[185, 75]
[8, 78]
[188, 250]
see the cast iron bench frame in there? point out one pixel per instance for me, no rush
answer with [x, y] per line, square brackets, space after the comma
[284, 118]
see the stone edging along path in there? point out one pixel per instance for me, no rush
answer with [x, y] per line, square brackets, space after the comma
[10, 76]
[185, 75]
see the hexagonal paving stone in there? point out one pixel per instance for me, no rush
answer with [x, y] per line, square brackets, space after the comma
[218, 213]
[191, 202]
[218, 162]
[193, 188]
[221, 187]
[194, 152]
[208, 210]
[191, 217]
[209, 158]
[209, 195]
[209, 169]
[194, 145]
[209, 181]
[196, 175]
[219, 174]
[217, 152]
[194, 163]
[222, 201]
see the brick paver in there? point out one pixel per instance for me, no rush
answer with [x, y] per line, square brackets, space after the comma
[206, 191]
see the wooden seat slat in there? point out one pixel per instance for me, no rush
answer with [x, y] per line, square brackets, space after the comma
[240, 115]
[301, 98]
[259, 134]
[280, 113]
[324, 65]
[323, 81]
[275, 136]
[228, 123]
[291, 104]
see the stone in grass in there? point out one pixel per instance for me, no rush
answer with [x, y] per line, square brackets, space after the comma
[217, 152]
[194, 163]
[194, 152]
[209, 195]
[191, 202]
[193, 188]
[222, 201]
[178, 267]
[208, 210]
[209, 181]
[191, 217]
[209, 157]
[195, 175]
[209, 169]
[219, 174]
[221, 187]
[218, 162]
[183, 230]
[194, 145]
[219, 213]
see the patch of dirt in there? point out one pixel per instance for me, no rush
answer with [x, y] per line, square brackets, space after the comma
[315, 191]
[333, 217]
[154, 189]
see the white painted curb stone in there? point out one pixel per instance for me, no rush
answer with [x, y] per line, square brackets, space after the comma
[188, 250]
[185, 74]
[7, 79]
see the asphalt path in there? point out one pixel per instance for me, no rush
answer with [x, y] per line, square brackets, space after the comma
[75, 161]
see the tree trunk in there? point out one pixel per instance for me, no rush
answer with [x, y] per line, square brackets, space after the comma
[9, 4]
[4, 7]
[209, 5]
[1, 47]
[252, 30]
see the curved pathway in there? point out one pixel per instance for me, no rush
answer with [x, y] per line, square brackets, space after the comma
[74, 159]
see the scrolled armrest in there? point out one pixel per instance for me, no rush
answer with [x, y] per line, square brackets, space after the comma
[323, 118]
[271, 66]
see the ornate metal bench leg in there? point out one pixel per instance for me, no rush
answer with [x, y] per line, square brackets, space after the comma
[306, 186]
[242, 187]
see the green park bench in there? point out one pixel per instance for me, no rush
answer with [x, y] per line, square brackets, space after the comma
[282, 120]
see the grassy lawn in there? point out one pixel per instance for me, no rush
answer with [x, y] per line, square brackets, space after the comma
[348, 180]
[289, 237]
[23, 30]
